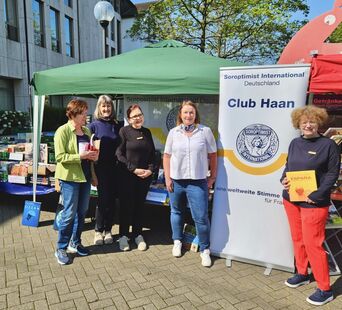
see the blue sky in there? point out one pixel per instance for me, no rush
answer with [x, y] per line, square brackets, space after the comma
[317, 7]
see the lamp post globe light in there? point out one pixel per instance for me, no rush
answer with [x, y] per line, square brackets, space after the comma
[104, 13]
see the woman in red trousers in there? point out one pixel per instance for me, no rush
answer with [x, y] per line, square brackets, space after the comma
[307, 218]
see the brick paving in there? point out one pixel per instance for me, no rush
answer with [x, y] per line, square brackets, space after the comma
[30, 277]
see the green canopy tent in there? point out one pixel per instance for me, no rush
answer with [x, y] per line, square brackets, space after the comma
[165, 68]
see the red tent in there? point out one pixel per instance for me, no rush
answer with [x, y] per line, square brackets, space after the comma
[326, 74]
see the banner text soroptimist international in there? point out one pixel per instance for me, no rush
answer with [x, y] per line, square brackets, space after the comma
[263, 79]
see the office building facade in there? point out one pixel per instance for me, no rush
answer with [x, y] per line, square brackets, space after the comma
[36, 35]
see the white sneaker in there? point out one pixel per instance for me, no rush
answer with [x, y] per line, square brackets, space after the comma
[140, 242]
[206, 260]
[98, 238]
[177, 248]
[108, 239]
[123, 243]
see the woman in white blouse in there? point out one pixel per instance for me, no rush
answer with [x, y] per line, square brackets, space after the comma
[190, 150]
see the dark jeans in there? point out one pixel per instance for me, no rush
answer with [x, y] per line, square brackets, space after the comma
[132, 202]
[107, 189]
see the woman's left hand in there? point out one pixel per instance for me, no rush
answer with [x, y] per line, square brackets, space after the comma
[145, 174]
[308, 200]
[90, 155]
[211, 182]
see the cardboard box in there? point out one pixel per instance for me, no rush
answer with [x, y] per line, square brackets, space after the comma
[43, 169]
[18, 169]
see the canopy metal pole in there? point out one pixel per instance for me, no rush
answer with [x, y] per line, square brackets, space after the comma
[38, 111]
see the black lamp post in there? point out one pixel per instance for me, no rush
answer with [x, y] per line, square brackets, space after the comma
[104, 13]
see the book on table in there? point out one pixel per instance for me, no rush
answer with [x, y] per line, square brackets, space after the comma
[302, 184]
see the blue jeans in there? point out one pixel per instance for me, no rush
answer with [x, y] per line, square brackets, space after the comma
[196, 192]
[75, 206]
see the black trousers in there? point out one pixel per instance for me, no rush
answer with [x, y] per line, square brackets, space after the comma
[107, 189]
[132, 202]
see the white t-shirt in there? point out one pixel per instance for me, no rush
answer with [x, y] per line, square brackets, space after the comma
[189, 155]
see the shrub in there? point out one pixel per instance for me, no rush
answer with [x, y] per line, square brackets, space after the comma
[12, 122]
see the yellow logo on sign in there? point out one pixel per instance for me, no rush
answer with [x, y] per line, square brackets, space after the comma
[229, 154]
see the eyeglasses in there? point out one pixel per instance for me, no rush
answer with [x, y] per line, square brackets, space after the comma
[304, 123]
[137, 116]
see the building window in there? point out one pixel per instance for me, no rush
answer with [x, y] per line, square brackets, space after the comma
[68, 3]
[118, 35]
[38, 22]
[54, 29]
[11, 20]
[69, 36]
[112, 29]
[56, 101]
[112, 51]
[107, 51]
[6, 95]
[116, 5]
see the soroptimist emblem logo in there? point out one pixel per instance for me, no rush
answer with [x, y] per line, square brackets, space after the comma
[257, 143]
[171, 118]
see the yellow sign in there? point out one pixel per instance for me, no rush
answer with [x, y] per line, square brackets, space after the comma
[229, 154]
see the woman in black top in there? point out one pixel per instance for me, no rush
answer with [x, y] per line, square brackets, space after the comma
[136, 159]
[307, 218]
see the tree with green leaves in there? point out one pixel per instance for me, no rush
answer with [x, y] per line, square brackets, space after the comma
[250, 31]
[336, 36]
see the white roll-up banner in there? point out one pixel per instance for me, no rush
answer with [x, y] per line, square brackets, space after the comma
[249, 223]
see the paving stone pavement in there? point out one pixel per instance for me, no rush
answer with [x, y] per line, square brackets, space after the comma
[30, 277]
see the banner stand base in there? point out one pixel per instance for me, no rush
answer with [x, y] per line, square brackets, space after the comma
[228, 262]
[267, 271]
[268, 267]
